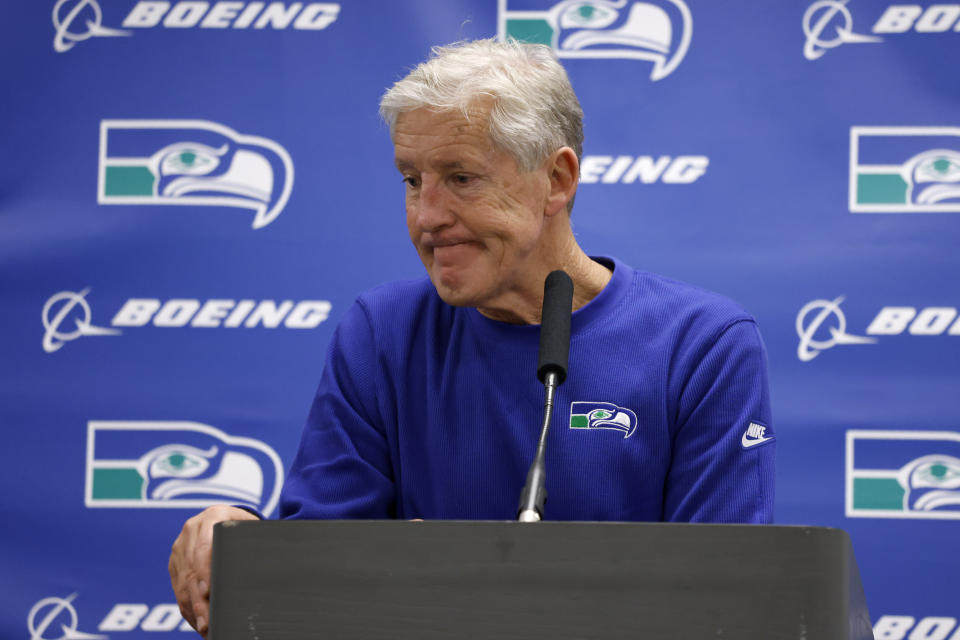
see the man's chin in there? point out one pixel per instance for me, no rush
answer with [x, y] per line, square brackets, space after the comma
[454, 297]
[453, 291]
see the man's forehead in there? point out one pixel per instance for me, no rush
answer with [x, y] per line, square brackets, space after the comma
[442, 137]
[450, 165]
[432, 121]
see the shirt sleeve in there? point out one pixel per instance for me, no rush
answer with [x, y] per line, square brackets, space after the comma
[722, 466]
[342, 468]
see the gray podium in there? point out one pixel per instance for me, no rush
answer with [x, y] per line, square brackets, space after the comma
[558, 580]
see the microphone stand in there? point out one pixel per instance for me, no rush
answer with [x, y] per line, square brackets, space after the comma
[534, 493]
[552, 371]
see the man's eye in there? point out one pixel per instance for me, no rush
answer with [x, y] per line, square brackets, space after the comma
[461, 178]
[412, 181]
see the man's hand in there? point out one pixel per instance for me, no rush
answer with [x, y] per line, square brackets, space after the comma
[190, 562]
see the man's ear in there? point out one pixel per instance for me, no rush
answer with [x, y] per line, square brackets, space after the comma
[564, 172]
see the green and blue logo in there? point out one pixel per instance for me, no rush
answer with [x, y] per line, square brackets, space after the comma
[904, 169]
[602, 415]
[658, 31]
[184, 465]
[194, 163]
[903, 474]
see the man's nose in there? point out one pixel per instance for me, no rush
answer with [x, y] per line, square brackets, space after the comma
[434, 206]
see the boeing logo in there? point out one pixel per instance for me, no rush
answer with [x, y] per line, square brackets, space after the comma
[889, 321]
[809, 347]
[78, 20]
[642, 169]
[902, 627]
[821, 15]
[56, 612]
[66, 316]
[827, 24]
[64, 303]
[63, 19]
[56, 619]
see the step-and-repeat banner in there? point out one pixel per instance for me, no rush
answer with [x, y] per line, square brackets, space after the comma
[193, 192]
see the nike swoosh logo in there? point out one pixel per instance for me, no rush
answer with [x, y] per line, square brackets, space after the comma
[752, 442]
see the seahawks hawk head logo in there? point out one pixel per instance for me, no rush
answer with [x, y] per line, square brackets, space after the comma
[654, 30]
[933, 177]
[178, 464]
[192, 162]
[602, 415]
[931, 483]
[181, 471]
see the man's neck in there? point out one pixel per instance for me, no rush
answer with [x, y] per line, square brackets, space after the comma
[525, 306]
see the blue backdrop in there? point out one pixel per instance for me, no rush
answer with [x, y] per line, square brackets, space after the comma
[194, 192]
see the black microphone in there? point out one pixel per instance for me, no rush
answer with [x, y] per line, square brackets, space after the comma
[555, 326]
[552, 371]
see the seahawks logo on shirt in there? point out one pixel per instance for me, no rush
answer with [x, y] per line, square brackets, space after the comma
[602, 415]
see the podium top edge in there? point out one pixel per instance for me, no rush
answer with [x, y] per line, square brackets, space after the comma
[546, 523]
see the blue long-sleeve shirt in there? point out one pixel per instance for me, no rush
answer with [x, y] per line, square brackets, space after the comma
[430, 411]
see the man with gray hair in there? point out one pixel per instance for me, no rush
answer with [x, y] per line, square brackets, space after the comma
[428, 404]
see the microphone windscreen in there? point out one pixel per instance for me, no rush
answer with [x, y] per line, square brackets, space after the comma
[555, 326]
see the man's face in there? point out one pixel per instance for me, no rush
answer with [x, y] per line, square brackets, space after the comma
[474, 218]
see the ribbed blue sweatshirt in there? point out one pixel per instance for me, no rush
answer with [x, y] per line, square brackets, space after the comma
[425, 410]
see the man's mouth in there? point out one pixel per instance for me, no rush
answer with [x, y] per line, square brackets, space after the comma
[448, 241]
[452, 251]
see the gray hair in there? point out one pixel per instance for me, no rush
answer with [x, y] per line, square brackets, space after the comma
[535, 110]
